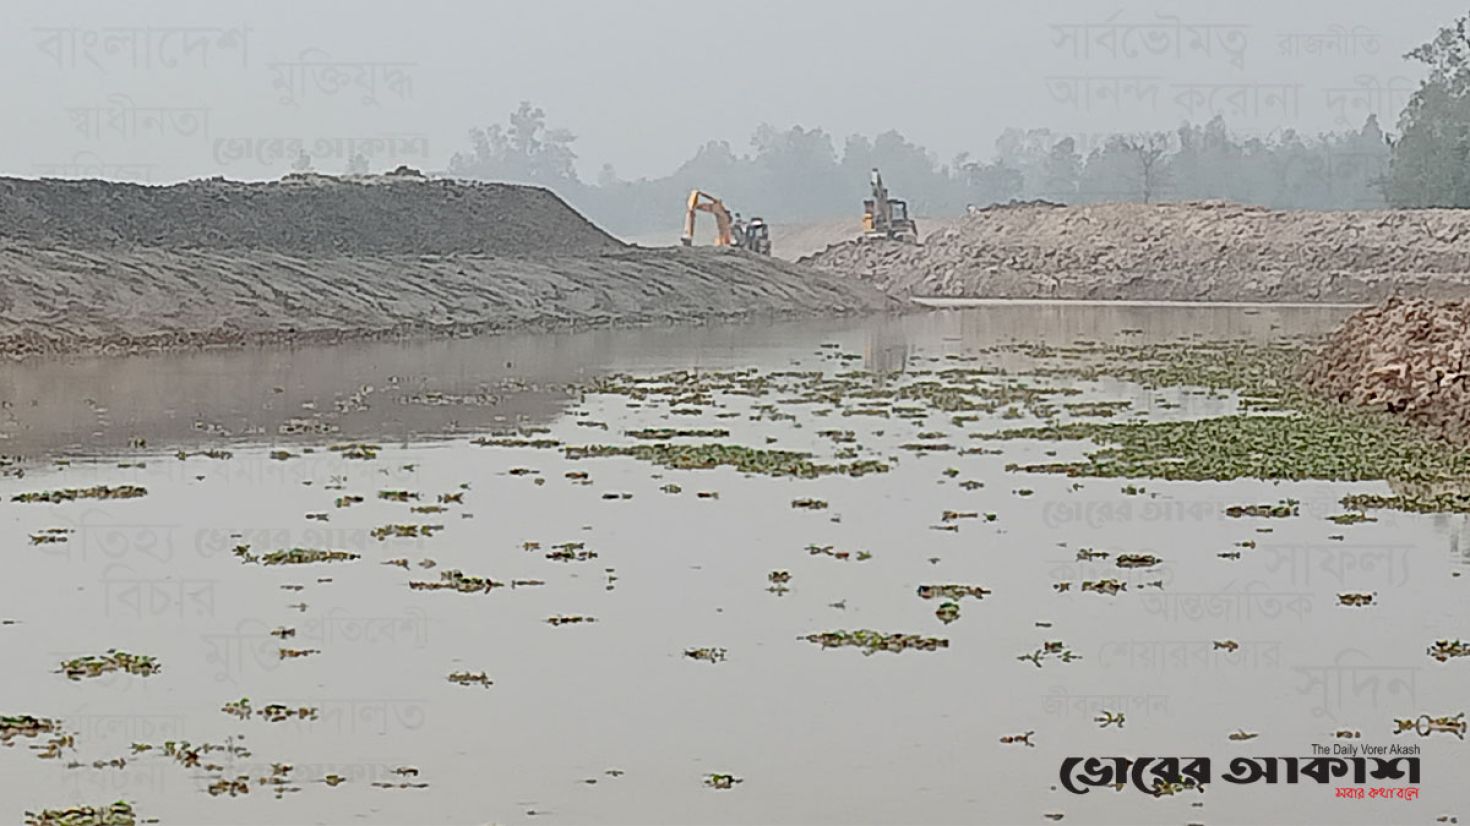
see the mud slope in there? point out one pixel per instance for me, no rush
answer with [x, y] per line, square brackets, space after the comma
[1207, 251]
[59, 300]
[97, 266]
[1403, 356]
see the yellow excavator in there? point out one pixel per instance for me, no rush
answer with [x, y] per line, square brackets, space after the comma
[730, 231]
[885, 217]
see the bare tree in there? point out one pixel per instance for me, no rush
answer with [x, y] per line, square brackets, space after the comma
[1150, 149]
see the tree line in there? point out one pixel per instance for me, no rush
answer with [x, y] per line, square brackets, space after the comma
[800, 174]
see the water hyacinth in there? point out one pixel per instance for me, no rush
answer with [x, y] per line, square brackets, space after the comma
[722, 781]
[305, 556]
[24, 725]
[745, 459]
[662, 433]
[1281, 510]
[470, 678]
[455, 580]
[874, 641]
[709, 655]
[114, 660]
[952, 592]
[72, 494]
[117, 814]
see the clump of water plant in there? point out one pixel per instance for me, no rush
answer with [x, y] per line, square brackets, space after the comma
[662, 433]
[1448, 502]
[404, 531]
[570, 552]
[356, 450]
[745, 459]
[948, 612]
[1050, 649]
[1445, 650]
[871, 642]
[24, 725]
[1281, 510]
[514, 441]
[722, 781]
[709, 655]
[952, 592]
[96, 665]
[470, 678]
[305, 556]
[455, 580]
[829, 550]
[50, 536]
[72, 494]
[117, 814]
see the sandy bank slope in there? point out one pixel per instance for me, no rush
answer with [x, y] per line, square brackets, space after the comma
[1404, 356]
[56, 300]
[1191, 251]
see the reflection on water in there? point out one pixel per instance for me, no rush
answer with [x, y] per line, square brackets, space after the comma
[388, 391]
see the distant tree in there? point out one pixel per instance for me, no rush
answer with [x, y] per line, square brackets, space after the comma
[607, 177]
[302, 163]
[523, 150]
[1061, 171]
[357, 164]
[992, 183]
[1429, 159]
[1149, 151]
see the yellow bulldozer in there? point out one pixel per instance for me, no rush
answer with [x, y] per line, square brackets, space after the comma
[730, 230]
[885, 217]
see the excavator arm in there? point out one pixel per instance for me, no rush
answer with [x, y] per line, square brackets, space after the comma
[705, 202]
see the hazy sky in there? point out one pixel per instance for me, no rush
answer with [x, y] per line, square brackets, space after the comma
[167, 89]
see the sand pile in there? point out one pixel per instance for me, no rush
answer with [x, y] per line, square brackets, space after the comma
[303, 214]
[1204, 251]
[1404, 356]
[99, 266]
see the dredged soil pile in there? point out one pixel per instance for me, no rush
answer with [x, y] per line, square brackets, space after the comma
[101, 266]
[1406, 356]
[1201, 251]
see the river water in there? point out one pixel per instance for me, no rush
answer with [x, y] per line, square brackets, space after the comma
[609, 721]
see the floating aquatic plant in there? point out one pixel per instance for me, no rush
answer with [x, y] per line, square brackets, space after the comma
[305, 556]
[952, 592]
[874, 641]
[114, 660]
[661, 433]
[1281, 510]
[710, 655]
[118, 814]
[71, 494]
[744, 459]
[469, 678]
[722, 781]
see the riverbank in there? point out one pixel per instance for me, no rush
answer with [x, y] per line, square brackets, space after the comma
[99, 267]
[1197, 251]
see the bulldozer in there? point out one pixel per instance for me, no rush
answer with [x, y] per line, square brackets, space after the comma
[885, 217]
[730, 231]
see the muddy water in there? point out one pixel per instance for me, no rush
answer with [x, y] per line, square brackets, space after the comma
[818, 736]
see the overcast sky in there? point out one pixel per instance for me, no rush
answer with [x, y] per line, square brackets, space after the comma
[167, 89]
